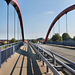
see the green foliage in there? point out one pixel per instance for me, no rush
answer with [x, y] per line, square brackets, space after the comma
[56, 38]
[49, 40]
[16, 41]
[65, 36]
[3, 47]
[74, 38]
[34, 41]
[12, 40]
[40, 39]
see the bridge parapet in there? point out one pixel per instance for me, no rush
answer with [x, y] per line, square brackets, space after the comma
[8, 51]
[51, 60]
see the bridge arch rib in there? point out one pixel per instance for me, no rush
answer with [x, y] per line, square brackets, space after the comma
[57, 17]
[15, 4]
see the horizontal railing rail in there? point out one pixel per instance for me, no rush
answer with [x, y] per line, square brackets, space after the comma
[8, 51]
[55, 60]
[45, 60]
[10, 44]
[69, 61]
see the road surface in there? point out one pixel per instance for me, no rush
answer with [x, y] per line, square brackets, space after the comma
[67, 53]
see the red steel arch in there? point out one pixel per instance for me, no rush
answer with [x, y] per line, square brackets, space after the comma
[57, 17]
[15, 4]
[17, 8]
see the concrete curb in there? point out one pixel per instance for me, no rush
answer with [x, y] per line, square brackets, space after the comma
[68, 47]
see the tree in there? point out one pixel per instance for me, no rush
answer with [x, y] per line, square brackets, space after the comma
[48, 40]
[34, 41]
[12, 40]
[74, 38]
[16, 41]
[56, 38]
[65, 36]
[40, 39]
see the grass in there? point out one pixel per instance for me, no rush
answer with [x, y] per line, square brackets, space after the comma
[4, 47]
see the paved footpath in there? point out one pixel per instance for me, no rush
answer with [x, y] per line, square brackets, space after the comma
[23, 62]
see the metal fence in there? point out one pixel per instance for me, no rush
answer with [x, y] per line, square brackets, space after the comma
[50, 59]
[8, 51]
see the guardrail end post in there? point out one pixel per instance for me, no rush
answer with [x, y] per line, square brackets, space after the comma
[0, 57]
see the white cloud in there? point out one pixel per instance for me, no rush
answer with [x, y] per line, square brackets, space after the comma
[49, 12]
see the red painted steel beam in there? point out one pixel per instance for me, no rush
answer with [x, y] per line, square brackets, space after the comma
[57, 17]
[15, 4]
[8, 1]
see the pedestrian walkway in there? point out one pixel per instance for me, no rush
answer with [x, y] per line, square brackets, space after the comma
[23, 62]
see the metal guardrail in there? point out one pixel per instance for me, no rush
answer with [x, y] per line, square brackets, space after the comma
[69, 61]
[8, 51]
[50, 58]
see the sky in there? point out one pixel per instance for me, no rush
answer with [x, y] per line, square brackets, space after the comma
[37, 17]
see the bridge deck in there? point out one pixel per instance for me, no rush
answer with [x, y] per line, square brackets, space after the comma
[23, 62]
[64, 52]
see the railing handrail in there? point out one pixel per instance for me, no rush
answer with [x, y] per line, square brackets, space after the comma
[8, 51]
[48, 64]
[69, 61]
[9, 44]
[70, 69]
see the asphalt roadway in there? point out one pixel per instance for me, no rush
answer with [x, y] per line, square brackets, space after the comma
[64, 52]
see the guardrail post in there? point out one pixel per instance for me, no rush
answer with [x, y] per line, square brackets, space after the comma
[0, 57]
[17, 46]
[42, 63]
[54, 61]
[47, 69]
[38, 48]
[10, 52]
[38, 55]
[43, 53]
[40, 58]
[13, 49]
[6, 52]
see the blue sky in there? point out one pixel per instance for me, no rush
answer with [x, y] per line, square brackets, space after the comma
[37, 16]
